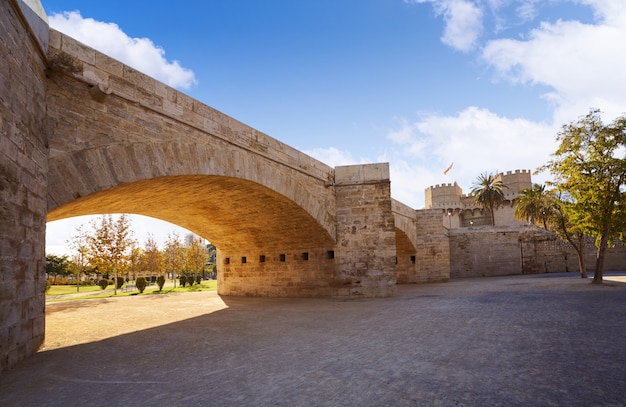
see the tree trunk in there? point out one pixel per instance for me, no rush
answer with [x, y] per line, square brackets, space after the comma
[581, 258]
[597, 277]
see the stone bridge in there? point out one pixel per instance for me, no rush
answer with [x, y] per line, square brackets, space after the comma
[82, 133]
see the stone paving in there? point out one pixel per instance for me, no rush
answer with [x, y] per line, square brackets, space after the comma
[543, 340]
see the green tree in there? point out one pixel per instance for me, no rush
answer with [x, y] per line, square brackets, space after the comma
[110, 243]
[566, 230]
[161, 282]
[534, 205]
[196, 255]
[488, 193]
[174, 255]
[589, 166]
[152, 257]
[57, 265]
[134, 262]
[141, 284]
[79, 244]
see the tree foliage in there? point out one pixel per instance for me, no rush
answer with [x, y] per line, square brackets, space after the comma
[488, 192]
[152, 258]
[534, 205]
[110, 243]
[566, 230]
[196, 255]
[589, 166]
[57, 265]
[174, 255]
[79, 244]
[160, 282]
[141, 284]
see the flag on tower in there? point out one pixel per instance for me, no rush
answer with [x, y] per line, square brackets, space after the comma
[448, 169]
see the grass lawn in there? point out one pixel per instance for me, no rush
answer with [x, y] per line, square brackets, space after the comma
[97, 292]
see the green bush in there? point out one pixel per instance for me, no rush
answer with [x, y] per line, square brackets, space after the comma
[198, 279]
[161, 282]
[120, 282]
[141, 283]
[103, 284]
[183, 281]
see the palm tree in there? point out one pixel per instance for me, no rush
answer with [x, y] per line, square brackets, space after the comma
[534, 205]
[488, 193]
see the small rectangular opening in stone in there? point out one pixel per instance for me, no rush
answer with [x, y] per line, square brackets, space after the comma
[330, 254]
[262, 258]
[282, 257]
[243, 259]
[305, 256]
[413, 259]
[227, 260]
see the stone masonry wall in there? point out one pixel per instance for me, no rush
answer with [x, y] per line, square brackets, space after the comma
[23, 182]
[433, 249]
[486, 251]
[366, 237]
[278, 272]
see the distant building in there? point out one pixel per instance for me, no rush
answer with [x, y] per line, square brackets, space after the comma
[459, 210]
[191, 237]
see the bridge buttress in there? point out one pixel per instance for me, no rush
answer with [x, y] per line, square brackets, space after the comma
[366, 239]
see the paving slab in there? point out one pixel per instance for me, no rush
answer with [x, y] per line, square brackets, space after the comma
[540, 340]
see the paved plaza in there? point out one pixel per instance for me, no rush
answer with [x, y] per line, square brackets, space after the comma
[542, 340]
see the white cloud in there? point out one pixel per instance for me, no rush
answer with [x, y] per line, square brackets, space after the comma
[464, 22]
[140, 53]
[476, 140]
[331, 156]
[582, 63]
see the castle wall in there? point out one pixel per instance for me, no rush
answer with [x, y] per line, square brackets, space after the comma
[487, 251]
[461, 211]
[443, 196]
[433, 250]
[23, 181]
[515, 181]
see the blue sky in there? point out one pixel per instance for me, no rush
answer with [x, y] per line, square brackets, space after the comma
[420, 84]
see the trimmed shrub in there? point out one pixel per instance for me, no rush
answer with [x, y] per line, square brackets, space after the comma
[120, 282]
[141, 283]
[103, 284]
[161, 282]
[198, 279]
[183, 280]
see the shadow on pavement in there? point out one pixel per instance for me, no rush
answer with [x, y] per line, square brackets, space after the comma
[511, 341]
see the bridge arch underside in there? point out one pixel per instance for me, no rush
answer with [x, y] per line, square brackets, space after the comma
[267, 244]
[406, 260]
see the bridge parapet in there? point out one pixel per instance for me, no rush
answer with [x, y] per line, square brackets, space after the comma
[106, 76]
[111, 125]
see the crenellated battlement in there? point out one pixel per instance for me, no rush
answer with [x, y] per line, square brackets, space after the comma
[451, 195]
[443, 194]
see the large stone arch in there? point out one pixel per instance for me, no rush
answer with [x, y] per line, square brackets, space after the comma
[110, 125]
[83, 133]
[231, 212]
